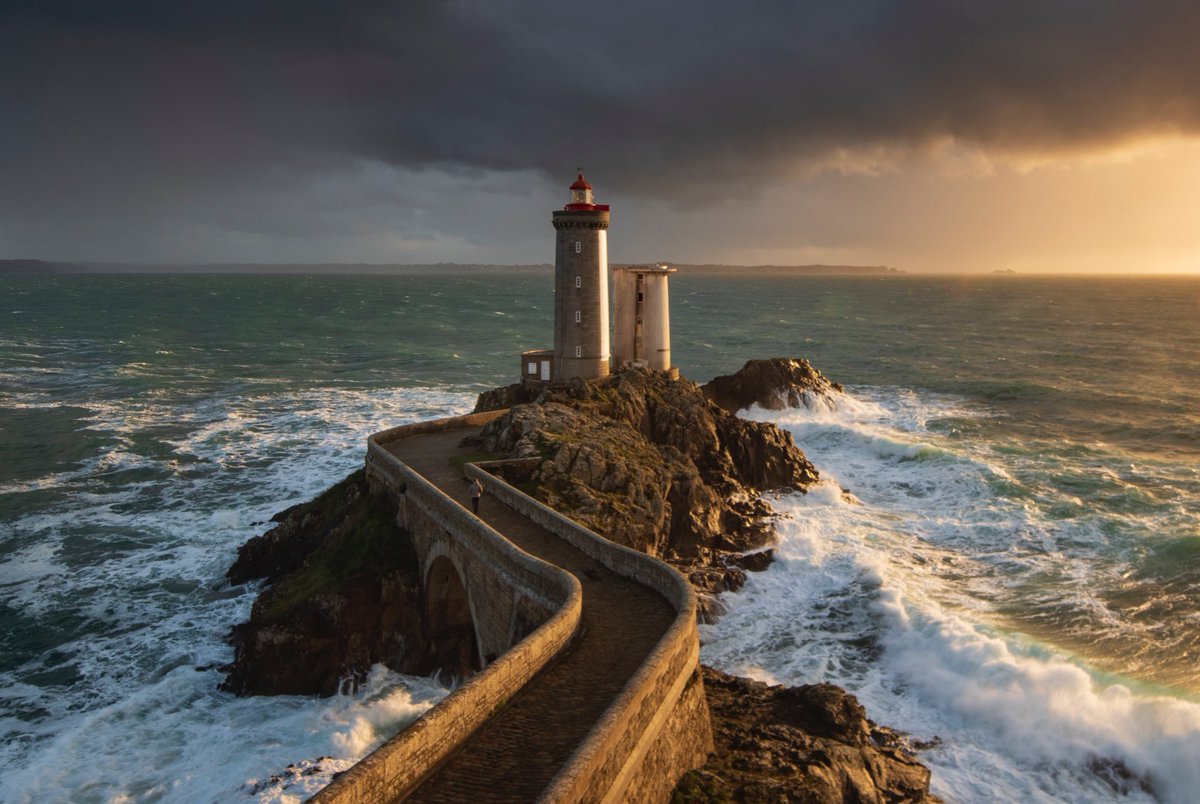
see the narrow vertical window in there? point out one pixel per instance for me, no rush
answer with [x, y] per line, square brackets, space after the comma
[579, 351]
[578, 246]
[578, 317]
[579, 281]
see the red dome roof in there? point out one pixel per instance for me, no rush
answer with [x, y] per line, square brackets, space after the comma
[580, 183]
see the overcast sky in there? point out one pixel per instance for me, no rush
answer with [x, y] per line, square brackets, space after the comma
[928, 135]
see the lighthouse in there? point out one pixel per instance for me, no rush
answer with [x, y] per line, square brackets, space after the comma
[581, 324]
[582, 341]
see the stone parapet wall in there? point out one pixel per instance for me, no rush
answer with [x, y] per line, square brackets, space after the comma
[651, 734]
[682, 742]
[509, 591]
[659, 727]
[377, 440]
[646, 570]
[397, 766]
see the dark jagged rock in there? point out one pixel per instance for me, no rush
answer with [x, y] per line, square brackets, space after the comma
[647, 461]
[774, 384]
[812, 743]
[344, 594]
[506, 396]
[299, 531]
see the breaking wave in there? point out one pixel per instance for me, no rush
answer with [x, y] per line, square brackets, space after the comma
[947, 596]
[117, 565]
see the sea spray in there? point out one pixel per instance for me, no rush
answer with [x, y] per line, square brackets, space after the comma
[904, 593]
[125, 558]
[151, 424]
[177, 738]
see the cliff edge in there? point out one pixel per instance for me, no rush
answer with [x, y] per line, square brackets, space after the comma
[343, 593]
[656, 463]
[650, 462]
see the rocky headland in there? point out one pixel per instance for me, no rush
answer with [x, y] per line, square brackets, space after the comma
[343, 592]
[653, 462]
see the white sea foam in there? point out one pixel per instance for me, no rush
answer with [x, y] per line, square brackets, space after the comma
[177, 739]
[902, 599]
[131, 561]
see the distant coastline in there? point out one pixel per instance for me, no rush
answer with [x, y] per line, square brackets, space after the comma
[786, 270]
[358, 269]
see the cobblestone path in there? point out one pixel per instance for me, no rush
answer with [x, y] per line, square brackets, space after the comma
[514, 756]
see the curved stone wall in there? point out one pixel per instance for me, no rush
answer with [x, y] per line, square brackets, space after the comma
[654, 731]
[659, 727]
[509, 595]
[399, 764]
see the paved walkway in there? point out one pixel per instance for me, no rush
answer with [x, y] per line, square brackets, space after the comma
[516, 754]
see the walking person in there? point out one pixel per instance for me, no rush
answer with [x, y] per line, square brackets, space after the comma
[476, 490]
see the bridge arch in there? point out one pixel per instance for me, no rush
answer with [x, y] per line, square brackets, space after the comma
[449, 620]
[528, 613]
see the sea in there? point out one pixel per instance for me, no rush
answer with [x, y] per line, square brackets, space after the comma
[1002, 559]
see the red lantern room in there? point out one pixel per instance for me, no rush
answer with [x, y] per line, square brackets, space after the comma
[581, 197]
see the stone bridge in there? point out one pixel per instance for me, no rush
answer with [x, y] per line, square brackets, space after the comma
[588, 685]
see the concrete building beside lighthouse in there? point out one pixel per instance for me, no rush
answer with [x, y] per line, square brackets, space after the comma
[582, 333]
[641, 317]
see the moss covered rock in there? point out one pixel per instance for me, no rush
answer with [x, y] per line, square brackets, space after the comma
[343, 594]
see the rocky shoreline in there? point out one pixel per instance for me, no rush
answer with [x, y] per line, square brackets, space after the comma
[657, 463]
[343, 592]
[812, 743]
[654, 464]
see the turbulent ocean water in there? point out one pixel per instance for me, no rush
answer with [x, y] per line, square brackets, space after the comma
[1015, 581]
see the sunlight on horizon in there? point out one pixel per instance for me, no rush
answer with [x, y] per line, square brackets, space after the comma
[1128, 209]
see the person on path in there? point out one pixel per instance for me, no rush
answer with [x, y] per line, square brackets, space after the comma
[476, 490]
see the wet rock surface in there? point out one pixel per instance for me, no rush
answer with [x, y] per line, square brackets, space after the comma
[343, 594]
[812, 743]
[775, 384]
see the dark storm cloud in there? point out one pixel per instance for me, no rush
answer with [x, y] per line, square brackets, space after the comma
[138, 105]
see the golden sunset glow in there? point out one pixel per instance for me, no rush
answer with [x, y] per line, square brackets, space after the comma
[1056, 136]
[626, 401]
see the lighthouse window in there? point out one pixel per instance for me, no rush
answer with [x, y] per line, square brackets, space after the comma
[578, 317]
[578, 246]
[579, 281]
[579, 351]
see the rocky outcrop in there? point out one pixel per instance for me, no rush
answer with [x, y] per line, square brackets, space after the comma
[774, 384]
[812, 743]
[647, 461]
[343, 594]
[506, 396]
[298, 531]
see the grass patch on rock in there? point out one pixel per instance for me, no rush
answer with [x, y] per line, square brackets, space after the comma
[361, 537]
